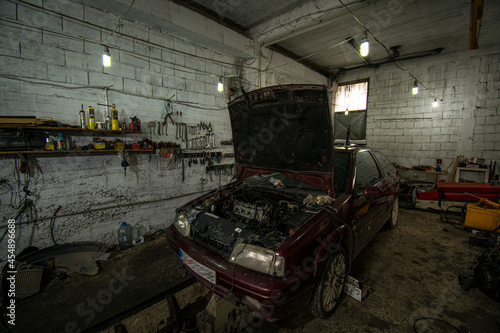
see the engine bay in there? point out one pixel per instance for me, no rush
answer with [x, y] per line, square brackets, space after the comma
[240, 214]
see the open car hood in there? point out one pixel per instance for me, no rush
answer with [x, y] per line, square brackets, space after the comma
[284, 127]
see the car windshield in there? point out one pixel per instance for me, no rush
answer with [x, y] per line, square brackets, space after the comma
[279, 180]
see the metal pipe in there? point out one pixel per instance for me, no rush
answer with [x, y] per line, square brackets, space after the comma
[106, 208]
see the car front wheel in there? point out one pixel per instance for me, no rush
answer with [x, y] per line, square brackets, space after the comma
[329, 289]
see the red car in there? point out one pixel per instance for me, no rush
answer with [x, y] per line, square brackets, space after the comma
[284, 234]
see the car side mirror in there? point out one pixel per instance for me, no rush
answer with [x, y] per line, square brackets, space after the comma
[373, 191]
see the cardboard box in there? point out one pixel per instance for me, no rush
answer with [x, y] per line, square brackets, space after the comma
[355, 289]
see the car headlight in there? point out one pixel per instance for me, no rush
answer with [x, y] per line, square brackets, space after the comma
[258, 258]
[182, 224]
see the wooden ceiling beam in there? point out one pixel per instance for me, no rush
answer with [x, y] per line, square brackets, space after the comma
[476, 16]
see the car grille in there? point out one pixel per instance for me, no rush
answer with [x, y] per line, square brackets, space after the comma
[212, 244]
[217, 233]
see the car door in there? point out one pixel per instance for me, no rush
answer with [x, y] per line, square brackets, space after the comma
[368, 199]
[391, 182]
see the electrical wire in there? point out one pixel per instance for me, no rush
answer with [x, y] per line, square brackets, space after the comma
[396, 62]
[120, 21]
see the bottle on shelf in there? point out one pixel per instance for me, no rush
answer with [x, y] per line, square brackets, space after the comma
[91, 118]
[114, 118]
[82, 119]
[61, 142]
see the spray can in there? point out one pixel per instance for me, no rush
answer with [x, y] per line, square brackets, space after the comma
[91, 118]
[61, 143]
[114, 118]
[82, 119]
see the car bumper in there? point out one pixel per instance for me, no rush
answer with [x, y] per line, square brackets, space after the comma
[267, 298]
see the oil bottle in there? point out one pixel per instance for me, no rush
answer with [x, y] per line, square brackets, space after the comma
[91, 118]
[114, 118]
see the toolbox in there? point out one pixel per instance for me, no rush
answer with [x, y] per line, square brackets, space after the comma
[482, 217]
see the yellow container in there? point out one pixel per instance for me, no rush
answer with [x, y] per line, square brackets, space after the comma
[99, 145]
[482, 218]
[91, 118]
[119, 145]
[114, 119]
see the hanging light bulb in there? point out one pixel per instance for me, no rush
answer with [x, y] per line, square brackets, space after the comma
[220, 85]
[435, 104]
[106, 57]
[414, 90]
[346, 111]
[364, 47]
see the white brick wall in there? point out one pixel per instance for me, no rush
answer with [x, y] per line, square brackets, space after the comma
[48, 75]
[466, 123]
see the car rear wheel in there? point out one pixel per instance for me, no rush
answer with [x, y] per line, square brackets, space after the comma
[394, 214]
[329, 289]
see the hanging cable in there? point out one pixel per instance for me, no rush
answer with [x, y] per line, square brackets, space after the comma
[391, 55]
[119, 22]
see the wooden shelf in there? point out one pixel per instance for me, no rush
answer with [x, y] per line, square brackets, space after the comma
[68, 129]
[74, 152]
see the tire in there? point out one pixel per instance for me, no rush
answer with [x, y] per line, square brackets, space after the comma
[330, 286]
[394, 214]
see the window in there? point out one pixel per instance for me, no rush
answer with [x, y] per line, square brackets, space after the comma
[367, 173]
[387, 168]
[350, 104]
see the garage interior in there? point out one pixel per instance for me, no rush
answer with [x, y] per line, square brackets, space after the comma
[65, 187]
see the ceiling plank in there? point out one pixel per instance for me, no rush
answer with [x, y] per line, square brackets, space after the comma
[476, 16]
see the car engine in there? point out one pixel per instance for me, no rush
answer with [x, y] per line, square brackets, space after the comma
[236, 215]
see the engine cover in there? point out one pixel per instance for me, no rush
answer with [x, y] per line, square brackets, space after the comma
[255, 211]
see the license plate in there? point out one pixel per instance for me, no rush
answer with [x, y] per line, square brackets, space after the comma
[200, 269]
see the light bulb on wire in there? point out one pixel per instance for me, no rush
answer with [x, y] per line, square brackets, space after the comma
[364, 47]
[106, 57]
[435, 104]
[220, 85]
[414, 90]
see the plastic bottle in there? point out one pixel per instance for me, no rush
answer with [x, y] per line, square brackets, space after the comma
[91, 118]
[124, 236]
[114, 118]
[82, 119]
[139, 234]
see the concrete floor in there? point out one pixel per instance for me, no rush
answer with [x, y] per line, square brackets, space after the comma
[412, 271]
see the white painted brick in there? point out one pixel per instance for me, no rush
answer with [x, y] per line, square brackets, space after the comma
[8, 10]
[83, 61]
[158, 38]
[404, 124]
[179, 59]
[149, 77]
[10, 47]
[66, 7]
[63, 43]
[117, 68]
[61, 74]
[102, 79]
[491, 137]
[450, 130]
[133, 29]
[196, 64]
[137, 87]
[403, 138]
[43, 53]
[415, 132]
[440, 138]
[23, 68]
[132, 60]
[38, 18]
